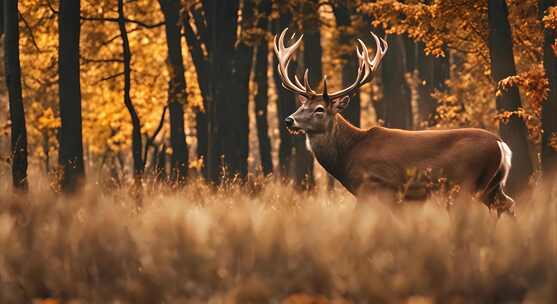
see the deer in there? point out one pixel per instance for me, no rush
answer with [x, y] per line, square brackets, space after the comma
[376, 161]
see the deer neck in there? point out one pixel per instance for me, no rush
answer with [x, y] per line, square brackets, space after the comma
[331, 148]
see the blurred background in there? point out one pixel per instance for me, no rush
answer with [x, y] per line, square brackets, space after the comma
[174, 89]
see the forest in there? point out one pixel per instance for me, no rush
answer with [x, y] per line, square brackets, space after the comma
[144, 156]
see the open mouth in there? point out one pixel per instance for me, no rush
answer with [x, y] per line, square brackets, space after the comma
[295, 131]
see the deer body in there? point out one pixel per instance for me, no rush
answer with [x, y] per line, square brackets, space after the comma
[381, 161]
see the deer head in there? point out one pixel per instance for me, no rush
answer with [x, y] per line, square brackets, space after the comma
[317, 110]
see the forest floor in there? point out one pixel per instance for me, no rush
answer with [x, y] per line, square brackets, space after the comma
[275, 245]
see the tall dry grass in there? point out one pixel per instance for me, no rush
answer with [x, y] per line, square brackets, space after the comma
[270, 246]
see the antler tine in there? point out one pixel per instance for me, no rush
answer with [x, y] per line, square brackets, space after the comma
[306, 85]
[380, 52]
[325, 93]
[366, 66]
[306, 82]
[284, 54]
[363, 72]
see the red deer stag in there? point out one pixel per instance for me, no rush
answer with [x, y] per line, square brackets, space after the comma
[376, 161]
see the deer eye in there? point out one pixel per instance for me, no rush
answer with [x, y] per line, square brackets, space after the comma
[319, 110]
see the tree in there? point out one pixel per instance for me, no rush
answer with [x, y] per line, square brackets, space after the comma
[514, 131]
[286, 101]
[71, 146]
[343, 13]
[549, 107]
[261, 96]
[176, 89]
[432, 73]
[396, 94]
[137, 146]
[216, 25]
[13, 82]
[229, 58]
[236, 136]
[201, 65]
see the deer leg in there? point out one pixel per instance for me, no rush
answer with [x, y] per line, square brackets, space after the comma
[504, 204]
[495, 198]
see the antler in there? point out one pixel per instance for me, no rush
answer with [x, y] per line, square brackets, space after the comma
[366, 67]
[284, 54]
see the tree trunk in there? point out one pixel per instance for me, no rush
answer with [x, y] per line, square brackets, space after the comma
[160, 165]
[409, 53]
[222, 22]
[261, 97]
[286, 105]
[514, 133]
[396, 94]
[237, 133]
[200, 62]
[137, 145]
[13, 82]
[71, 142]
[549, 107]
[432, 73]
[177, 89]
[427, 105]
[2, 17]
[303, 162]
[349, 61]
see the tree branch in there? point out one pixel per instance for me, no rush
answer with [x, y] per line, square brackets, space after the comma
[111, 77]
[151, 140]
[33, 40]
[108, 60]
[110, 19]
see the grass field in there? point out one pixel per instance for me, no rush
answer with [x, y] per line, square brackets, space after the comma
[274, 245]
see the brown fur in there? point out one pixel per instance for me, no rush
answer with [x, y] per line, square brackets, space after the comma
[378, 160]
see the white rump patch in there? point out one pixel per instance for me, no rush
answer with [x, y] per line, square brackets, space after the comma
[506, 158]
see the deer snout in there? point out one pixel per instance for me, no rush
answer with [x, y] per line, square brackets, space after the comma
[289, 121]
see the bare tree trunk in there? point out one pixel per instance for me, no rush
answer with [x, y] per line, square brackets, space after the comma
[13, 82]
[409, 53]
[222, 24]
[201, 64]
[177, 89]
[160, 165]
[549, 107]
[304, 163]
[137, 145]
[237, 138]
[396, 94]
[432, 73]
[514, 132]
[2, 17]
[286, 105]
[46, 149]
[71, 142]
[261, 97]
[349, 62]
[213, 142]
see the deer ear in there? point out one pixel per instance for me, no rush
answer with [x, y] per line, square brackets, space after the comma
[340, 104]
